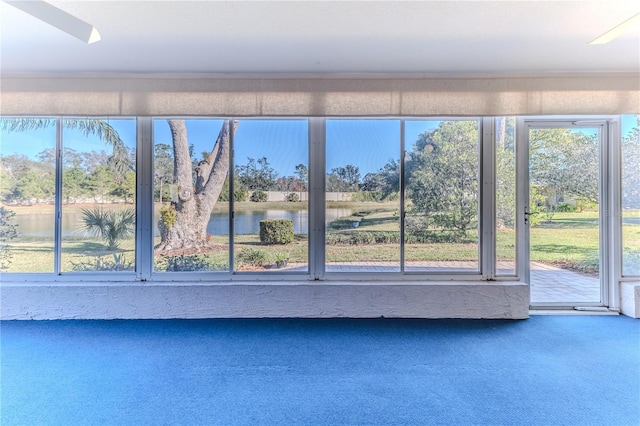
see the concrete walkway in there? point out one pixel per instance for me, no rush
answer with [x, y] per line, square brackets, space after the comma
[556, 285]
[549, 284]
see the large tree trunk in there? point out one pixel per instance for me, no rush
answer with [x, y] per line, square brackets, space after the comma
[195, 201]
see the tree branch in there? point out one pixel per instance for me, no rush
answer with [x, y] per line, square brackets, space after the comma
[219, 167]
[181, 158]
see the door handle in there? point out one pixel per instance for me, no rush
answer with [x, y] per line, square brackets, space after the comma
[527, 213]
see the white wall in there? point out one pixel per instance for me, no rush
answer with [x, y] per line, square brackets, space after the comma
[304, 299]
[630, 299]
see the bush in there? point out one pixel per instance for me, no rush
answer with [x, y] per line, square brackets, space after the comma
[115, 262]
[421, 230]
[281, 259]
[276, 231]
[366, 196]
[8, 231]
[185, 263]
[361, 238]
[251, 257]
[567, 208]
[240, 193]
[168, 216]
[258, 196]
[293, 198]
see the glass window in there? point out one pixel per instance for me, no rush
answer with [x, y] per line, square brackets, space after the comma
[505, 195]
[191, 194]
[27, 194]
[98, 195]
[630, 195]
[442, 198]
[271, 214]
[362, 196]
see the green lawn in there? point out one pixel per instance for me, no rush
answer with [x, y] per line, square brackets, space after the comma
[570, 239]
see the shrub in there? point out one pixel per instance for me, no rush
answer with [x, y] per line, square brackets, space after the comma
[168, 216]
[276, 231]
[361, 238]
[421, 229]
[366, 196]
[292, 198]
[566, 208]
[281, 259]
[240, 193]
[258, 196]
[181, 263]
[251, 257]
[8, 231]
[115, 262]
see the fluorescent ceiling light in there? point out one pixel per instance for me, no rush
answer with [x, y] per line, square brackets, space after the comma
[617, 30]
[58, 18]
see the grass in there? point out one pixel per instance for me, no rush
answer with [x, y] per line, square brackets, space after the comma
[570, 240]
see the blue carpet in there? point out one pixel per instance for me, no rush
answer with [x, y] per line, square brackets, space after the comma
[548, 370]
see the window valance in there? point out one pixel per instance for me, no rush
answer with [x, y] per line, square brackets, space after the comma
[206, 95]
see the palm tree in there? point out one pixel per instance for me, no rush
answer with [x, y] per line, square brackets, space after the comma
[112, 225]
[195, 200]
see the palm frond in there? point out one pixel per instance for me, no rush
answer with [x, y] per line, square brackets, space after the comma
[105, 132]
[111, 226]
[88, 126]
[22, 124]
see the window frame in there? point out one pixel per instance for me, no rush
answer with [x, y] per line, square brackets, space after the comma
[316, 210]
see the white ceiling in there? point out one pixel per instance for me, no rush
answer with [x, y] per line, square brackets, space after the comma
[430, 37]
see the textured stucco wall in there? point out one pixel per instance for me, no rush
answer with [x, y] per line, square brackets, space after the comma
[256, 300]
[630, 299]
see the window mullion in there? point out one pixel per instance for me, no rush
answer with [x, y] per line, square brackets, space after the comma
[144, 198]
[231, 207]
[317, 165]
[57, 258]
[487, 221]
[403, 155]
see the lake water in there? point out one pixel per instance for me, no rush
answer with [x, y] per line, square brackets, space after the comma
[246, 222]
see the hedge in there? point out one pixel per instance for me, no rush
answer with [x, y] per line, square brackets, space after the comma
[276, 231]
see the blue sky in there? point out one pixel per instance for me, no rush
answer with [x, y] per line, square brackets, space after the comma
[368, 144]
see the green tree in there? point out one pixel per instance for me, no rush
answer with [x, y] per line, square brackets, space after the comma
[240, 193]
[505, 173]
[344, 179]
[443, 177]
[197, 196]
[36, 186]
[198, 187]
[100, 183]
[162, 171]
[257, 174]
[564, 164]
[126, 189]
[25, 180]
[73, 184]
[630, 171]
[302, 173]
[385, 181]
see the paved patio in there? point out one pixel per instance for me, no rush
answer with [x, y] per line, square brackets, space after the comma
[552, 284]
[549, 284]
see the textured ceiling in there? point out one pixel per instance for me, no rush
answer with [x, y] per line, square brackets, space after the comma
[431, 37]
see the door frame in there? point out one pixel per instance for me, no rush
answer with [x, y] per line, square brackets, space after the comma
[609, 206]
